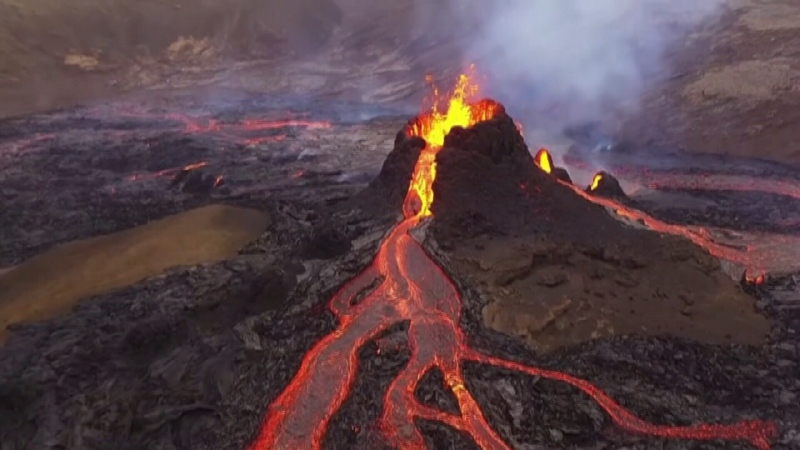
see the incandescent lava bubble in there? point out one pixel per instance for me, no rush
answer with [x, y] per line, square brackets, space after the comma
[605, 185]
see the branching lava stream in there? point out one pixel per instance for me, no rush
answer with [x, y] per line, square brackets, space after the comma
[416, 290]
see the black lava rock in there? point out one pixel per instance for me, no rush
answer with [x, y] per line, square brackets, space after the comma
[561, 174]
[327, 242]
[606, 185]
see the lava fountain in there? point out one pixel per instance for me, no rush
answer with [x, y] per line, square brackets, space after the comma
[416, 290]
[544, 160]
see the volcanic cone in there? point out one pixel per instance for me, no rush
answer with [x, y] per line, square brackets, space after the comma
[606, 185]
[571, 270]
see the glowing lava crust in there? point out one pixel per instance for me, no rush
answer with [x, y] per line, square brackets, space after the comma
[416, 290]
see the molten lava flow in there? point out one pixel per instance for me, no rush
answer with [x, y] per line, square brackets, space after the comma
[698, 235]
[247, 126]
[757, 280]
[596, 181]
[172, 172]
[414, 289]
[705, 182]
[434, 127]
[544, 160]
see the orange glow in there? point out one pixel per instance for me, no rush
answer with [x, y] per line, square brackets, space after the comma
[168, 172]
[458, 109]
[415, 290]
[544, 160]
[241, 132]
[700, 236]
[596, 181]
[757, 280]
[194, 166]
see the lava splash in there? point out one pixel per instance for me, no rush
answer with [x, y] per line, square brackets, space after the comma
[544, 160]
[433, 127]
[416, 290]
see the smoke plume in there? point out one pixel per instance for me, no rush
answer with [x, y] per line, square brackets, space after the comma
[559, 63]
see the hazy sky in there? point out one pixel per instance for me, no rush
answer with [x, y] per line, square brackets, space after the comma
[575, 61]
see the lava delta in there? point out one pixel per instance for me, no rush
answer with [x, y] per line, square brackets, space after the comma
[462, 170]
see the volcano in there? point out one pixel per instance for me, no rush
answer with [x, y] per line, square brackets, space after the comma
[422, 283]
[467, 173]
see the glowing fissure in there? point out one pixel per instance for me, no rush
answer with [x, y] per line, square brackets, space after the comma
[434, 126]
[544, 160]
[704, 181]
[415, 289]
[700, 236]
[168, 172]
[233, 129]
[596, 182]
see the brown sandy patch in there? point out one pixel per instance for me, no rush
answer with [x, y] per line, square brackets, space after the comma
[746, 81]
[558, 296]
[56, 54]
[735, 88]
[770, 16]
[49, 284]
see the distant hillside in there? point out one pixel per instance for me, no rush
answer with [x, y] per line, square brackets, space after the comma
[45, 42]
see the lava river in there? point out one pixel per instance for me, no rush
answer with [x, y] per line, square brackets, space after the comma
[416, 290]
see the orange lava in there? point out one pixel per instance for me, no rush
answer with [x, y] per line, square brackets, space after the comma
[698, 235]
[433, 126]
[761, 252]
[596, 181]
[416, 290]
[757, 280]
[247, 126]
[705, 182]
[167, 172]
[544, 160]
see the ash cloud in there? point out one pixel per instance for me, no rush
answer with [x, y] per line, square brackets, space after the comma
[561, 63]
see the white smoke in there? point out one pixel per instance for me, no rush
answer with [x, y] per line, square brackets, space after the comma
[558, 63]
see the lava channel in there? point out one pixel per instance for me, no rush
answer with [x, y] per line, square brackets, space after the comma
[416, 290]
[247, 126]
[752, 258]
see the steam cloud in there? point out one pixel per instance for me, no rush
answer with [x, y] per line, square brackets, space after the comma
[557, 63]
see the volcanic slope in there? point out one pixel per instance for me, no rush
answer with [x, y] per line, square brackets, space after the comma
[560, 270]
[194, 358]
[409, 303]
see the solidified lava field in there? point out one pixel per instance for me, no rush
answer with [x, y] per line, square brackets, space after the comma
[358, 319]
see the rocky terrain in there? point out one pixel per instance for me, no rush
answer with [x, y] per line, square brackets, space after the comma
[191, 357]
[247, 159]
[734, 90]
[730, 89]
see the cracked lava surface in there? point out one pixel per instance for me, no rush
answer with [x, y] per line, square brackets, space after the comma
[414, 289]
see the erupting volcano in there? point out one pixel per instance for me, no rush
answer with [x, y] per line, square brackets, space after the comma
[544, 160]
[414, 289]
